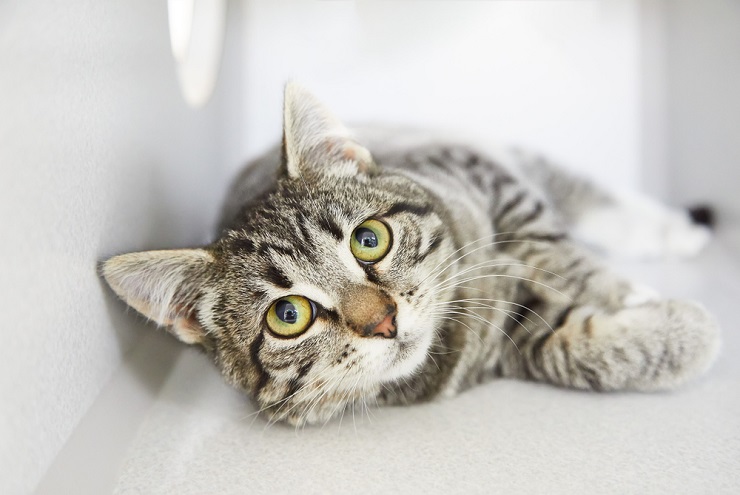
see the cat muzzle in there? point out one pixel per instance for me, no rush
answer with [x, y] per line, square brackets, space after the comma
[369, 312]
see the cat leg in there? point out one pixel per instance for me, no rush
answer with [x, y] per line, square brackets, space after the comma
[570, 276]
[653, 346]
[605, 333]
[635, 226]
[619, 224]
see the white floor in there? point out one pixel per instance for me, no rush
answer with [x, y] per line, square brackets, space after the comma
[168, 425]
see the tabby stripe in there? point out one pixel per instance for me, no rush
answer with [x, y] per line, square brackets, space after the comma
[245, 246]
[307, 240]
[473, 161]
[254, 351]
[516, 320]
[437, 162]
[497, 183]
[571, 266]
[533, 215]
[560, 320]
[295, 382]
[268, 246]
[277, 277]
[510, 205]
[433, 246]
[498, 370]
[403, 207]
[327, 224]
[331, 315]
[584, 281]
[536, 350]
[370, 274]
[565, 349]
[647, 362]
[661, 360]
[590, 375]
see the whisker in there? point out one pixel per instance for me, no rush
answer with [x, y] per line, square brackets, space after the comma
[494, 275]
[506, 313]
[477, 299]
[493, 264]
[508, 241]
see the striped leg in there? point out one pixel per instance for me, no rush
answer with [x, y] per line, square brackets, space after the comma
[652, 346]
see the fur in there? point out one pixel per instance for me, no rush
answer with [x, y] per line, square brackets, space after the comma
[484, 277]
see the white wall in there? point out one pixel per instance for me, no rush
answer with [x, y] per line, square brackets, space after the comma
[561, 76]
[98, 155]
[702, 51]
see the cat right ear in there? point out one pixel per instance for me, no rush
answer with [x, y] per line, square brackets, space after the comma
[164, 286]
[315, 142]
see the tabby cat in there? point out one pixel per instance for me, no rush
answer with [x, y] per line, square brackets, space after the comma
[405, 269]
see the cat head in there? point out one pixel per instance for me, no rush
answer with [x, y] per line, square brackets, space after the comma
[323, 290]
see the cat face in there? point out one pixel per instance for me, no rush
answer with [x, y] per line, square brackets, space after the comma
[325, 288]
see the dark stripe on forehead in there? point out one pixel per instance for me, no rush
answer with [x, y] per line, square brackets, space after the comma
[330, 226]
[306, 243]
[266, 247]
[403, 207]
[243, 245]
[278, 277]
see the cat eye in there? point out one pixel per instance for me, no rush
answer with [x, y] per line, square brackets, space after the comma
[370, 241]
[290, 316]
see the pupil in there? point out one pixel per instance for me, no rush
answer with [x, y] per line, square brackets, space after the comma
[286, 312]
[366, 238]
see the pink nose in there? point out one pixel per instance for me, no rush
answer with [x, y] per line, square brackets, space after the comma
[387, 327]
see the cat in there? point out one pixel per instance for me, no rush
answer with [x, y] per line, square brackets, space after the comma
[394, 271]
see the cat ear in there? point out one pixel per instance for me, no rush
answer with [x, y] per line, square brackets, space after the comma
[315, 143]
[164, 286]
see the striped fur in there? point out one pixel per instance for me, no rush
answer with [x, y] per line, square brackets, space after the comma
[483, 271]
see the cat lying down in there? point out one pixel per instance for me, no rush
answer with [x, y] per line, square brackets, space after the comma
[395, 270]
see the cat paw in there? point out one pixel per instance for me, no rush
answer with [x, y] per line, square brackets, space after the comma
[670, 341]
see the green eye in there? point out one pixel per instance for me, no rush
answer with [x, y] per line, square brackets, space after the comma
[290, 316]
[370, 241]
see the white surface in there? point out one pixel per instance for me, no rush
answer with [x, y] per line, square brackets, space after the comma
[98, 155]
[559, 76]
[199, 436]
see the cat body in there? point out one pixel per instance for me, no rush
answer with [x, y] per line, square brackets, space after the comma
[375, 268]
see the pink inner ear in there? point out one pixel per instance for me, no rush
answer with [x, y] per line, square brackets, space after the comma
[346, 149]
[187, 329]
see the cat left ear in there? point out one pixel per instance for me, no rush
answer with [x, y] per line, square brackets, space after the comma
[315, 143]
[164, 286]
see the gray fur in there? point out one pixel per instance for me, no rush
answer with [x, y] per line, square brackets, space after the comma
[483, 272]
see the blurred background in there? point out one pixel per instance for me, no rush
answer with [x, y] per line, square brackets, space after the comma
[110, 142]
